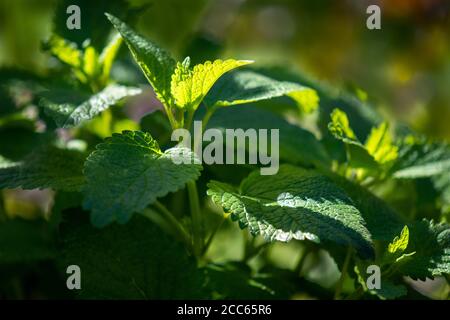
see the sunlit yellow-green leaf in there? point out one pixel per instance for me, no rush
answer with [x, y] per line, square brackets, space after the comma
[340, 126]
[90, 61]
[66, 52]
[307, 99]
[400, 243]
[107, 57]
[190, 86]
[379, 144]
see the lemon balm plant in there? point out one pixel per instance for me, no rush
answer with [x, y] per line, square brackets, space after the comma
[153, 221]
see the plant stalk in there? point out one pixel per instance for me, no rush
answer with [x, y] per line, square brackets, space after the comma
[337, 293]
[197, 221]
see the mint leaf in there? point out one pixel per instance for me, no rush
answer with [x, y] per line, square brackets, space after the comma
[155, 62]
[249, 86]
[431, 242]
[382, 221]
[377, 150]
[134, 261]
[297, 145]
[388, 289]
[107, 57]
[67, 115]
[128, 172]
[358, 155]
[400, 243]
[190, 86]
[294, 204]
[46, 167]
[66, 52]
[442, 184]
[419, 159]
[380, 146]
[340, 127]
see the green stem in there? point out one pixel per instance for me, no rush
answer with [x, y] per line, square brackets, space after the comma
[209, 112]
[173, 122]
[211, 237]
[168, 221]
[337, 293]
[197, 221]
[189, 120]
[173, 221]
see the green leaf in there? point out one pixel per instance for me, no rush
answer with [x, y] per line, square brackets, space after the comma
[442, 184]
[249, 86]
[388, 289]
[400, 243]
[46, 167]
[431, 242]
[377, 150]
[68, 53]
[235, 281]
[65, 51]
[340, 127]
[190, 86]
[107, 57]
[90, 62]
[297, 145]
[358, 155]
[25, 241]
[419, 159]
[382, 221]
[294, 204]
[135, 261]
[396, 248]
[379, 144]
[128, 172]
[155, 62]
[67, 115]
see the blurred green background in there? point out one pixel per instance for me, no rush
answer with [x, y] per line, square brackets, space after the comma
[404, 68]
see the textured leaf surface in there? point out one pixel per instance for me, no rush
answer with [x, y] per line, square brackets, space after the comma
[382, 221]
[442, 184]
[128, 172]
[421, 159]
[155, 62]
[68, 115]
[46, 167]
[248, 86]
[294, 204]
[134, 261]
[297, 145]
[190, 86]
[431, 242]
